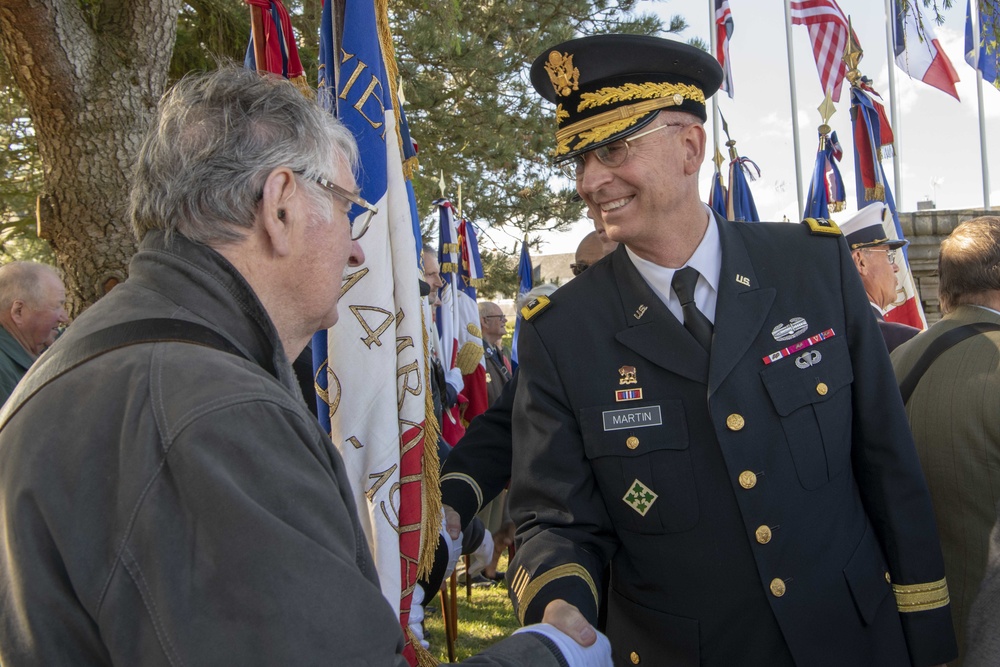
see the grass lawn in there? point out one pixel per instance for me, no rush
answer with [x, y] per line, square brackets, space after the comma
[482, 621]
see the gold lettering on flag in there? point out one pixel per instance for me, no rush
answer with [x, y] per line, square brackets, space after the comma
[367, 95]
[411, 370]
[355, 442]
[352, 280]
[380, 479]
[373, 333]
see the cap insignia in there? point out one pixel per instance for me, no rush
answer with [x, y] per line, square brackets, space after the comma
[561, 72]
[561, 114]
[677, 92]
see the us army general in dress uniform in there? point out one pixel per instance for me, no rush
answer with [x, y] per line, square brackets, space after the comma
[757, 493]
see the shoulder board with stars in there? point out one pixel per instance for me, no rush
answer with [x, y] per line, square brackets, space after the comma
[535, 306]
[822, 227]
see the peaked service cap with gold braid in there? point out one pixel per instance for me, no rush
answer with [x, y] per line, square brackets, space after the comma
[607, 87]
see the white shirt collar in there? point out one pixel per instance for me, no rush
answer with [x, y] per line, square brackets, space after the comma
[706, 259]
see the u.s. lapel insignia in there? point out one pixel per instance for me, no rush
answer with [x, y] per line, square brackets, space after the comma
[640, 311]
[742, 280]
[795, 326]
[640, 497]
[627, 374]
[629, 394]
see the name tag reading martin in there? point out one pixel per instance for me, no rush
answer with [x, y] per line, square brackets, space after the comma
[615, 420]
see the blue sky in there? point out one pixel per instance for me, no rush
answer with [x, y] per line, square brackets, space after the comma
[937, 136]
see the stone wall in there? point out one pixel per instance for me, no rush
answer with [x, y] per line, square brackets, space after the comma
[925, 231]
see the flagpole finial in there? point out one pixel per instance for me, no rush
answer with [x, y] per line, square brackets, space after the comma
[441, 183]
[852, 55]
[731, 144]
[826, 111]
[719, 159]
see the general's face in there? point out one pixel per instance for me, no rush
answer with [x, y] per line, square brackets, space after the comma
[41, 320]
[631, 199]
[329, 249]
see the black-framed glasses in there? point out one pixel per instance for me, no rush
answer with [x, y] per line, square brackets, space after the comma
[359, 225]
[610, 155]
[579, 267]
[890, 253]
[494, 317]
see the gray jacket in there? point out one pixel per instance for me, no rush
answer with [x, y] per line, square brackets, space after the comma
[171, 504]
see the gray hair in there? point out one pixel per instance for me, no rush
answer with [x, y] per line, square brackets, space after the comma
[22, 280]
[201, 169]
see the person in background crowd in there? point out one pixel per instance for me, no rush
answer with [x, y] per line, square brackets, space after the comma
[32, 310]
[710, 409]
[593, 247]
[875, 259]
[192, 511]
[953, 407]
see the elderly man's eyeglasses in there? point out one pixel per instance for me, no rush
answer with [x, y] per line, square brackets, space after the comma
[610, 155]
[579, 267]
[890, 253]
[359, 225]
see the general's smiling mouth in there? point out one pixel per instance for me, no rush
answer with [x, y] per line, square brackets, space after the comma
[617, 203]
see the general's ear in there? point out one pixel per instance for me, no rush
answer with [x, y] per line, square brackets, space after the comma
[279, 187]
[694, 143]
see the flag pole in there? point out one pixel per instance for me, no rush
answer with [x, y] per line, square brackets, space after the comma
[795, 104]
[975, 17]
[982, 137]
[257, 31]
[714, 36]
[897, 131]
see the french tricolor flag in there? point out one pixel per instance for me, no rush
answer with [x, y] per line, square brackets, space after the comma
[918, 52]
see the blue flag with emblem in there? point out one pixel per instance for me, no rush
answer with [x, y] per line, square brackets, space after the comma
[525, 280]
[982, 53]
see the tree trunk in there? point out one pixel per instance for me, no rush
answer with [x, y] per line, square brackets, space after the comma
[92, 79]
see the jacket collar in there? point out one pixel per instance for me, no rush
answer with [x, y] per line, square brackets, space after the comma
[203, 283]
[654, 333]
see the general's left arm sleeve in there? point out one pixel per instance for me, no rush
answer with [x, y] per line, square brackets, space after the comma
[892, 484]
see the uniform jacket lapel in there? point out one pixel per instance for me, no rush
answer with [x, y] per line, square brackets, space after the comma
[742, 306]
[650, 329]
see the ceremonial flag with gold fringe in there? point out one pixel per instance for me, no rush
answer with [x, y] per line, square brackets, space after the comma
[826, 190]
[458, 321]
[279, 53]
[872, 141]
[373, 378]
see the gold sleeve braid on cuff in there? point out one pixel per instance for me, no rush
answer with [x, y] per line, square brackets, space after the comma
[461, 476]
[921, 597]
[525, 588]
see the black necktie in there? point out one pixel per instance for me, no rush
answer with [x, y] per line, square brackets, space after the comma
[694, 320]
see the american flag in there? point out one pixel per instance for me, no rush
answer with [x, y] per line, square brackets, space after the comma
[828, 32]
[723, 31]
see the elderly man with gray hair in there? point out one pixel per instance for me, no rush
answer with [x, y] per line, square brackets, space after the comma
[186, 508]
[32, 308]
